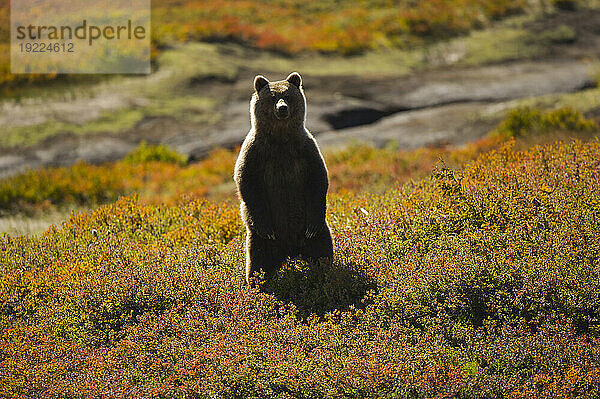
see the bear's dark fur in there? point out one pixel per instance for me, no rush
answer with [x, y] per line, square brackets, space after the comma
[281, 180]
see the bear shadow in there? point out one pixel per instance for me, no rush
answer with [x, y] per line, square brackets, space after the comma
[320, 287]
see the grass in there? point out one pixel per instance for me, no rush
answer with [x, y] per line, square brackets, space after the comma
[585, 100]
[36, 224]
[147, 153]
[109, 121]
[480, 281]
[119, 121]
[395, 28]
[499, 45]
[156, 173]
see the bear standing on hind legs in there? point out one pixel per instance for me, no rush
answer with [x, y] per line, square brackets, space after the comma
[281, 181]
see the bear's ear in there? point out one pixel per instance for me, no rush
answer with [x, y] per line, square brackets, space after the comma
[295, 79]
[260, 82]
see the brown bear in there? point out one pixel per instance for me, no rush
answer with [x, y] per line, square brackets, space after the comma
[281, 180]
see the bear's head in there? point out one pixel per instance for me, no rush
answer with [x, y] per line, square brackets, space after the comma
[278, 106]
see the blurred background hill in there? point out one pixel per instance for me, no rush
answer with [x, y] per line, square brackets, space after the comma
[414, 73]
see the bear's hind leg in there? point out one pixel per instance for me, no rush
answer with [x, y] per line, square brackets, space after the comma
[261, 254]
[320, 246]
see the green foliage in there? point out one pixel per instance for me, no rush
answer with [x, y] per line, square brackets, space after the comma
[520, 121]
[561, 35]
[526, 120]
[155, 153]
[478, 282]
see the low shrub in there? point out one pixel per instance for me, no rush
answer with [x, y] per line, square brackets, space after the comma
[528, 120]
[563, 34]
[155, 153]
[156, 173]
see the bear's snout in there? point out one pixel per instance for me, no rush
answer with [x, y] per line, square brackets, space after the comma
[282, 110]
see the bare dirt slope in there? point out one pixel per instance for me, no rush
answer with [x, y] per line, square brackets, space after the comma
[435, 107]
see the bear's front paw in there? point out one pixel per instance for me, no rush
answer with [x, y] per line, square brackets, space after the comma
[270, 235]
[265, 232]
[312, 229]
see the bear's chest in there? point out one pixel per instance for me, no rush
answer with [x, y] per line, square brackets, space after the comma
[284, 169]
[285, 176]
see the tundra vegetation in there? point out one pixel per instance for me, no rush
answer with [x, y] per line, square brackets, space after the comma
[459, 271]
